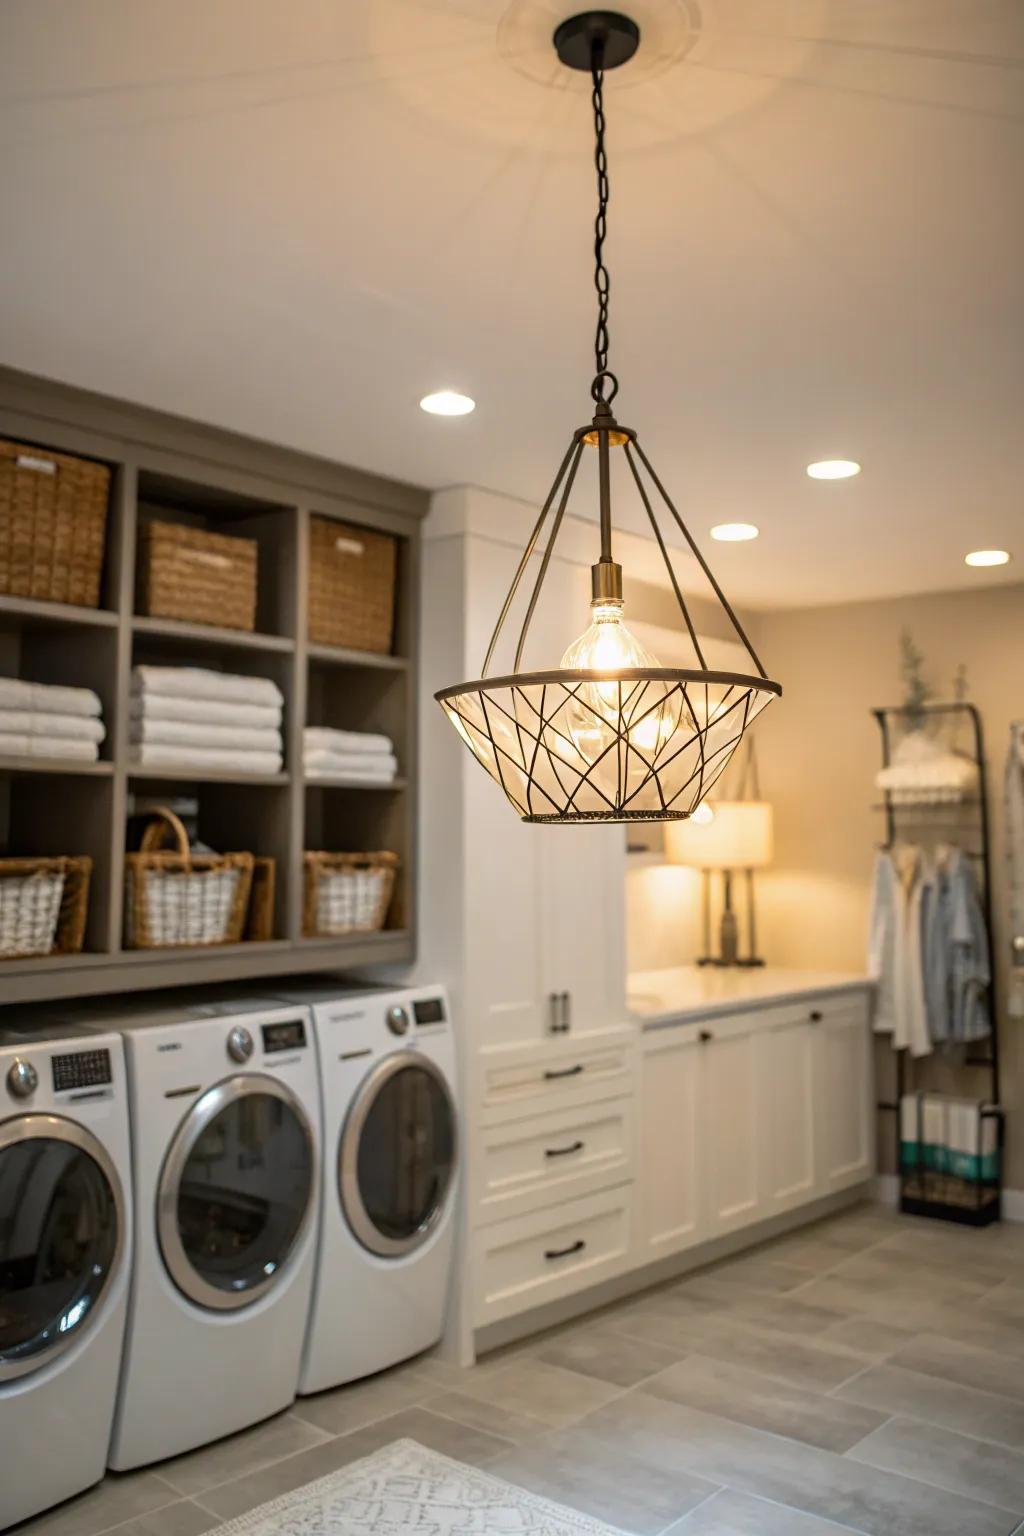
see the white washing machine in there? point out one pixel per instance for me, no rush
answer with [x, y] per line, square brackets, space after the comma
[65, 1246]
[387, 1226]
[225, 1104]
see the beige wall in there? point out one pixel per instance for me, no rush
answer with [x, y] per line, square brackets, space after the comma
[819, 750]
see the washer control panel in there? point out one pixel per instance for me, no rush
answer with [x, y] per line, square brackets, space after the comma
[428, 1010]
[240, 1043]
[289, 1035]
[81, 1069]
[22, 1079]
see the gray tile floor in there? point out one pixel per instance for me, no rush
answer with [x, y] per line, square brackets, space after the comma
[865, 1374]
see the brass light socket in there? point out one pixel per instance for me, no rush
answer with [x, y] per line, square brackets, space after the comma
[606, 582]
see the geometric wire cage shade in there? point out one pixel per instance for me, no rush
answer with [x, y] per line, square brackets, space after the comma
[627, 744]
[610, 735]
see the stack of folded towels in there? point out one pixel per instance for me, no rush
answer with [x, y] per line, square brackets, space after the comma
[189, 717]
[44, 720]
[357, 755]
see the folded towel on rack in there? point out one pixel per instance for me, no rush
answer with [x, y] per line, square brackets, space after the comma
[168, 706]
[50, 698]
[319, 738]
[195, 733]
[203, 683]
[158, 754]
[30, 722]
[14, 745]
[353, 765]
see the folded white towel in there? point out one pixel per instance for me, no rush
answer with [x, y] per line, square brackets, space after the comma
[201, 683]
[13, 745]
[31, 722]
[323, 738]
[157, 754]
[193, 733]
[51, 698]
[167, 706]
[352, 765]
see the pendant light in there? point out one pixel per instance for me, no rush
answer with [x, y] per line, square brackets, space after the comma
[608, 734]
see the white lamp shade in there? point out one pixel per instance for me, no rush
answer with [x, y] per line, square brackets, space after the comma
[738, 836]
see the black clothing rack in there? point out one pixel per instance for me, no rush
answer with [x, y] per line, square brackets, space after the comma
[965, 824]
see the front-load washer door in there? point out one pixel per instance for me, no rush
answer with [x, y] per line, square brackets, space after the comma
[61, 1237]
[236, 1191]
[396, 1158]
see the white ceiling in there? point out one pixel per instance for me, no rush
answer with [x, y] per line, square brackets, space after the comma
[295, 219]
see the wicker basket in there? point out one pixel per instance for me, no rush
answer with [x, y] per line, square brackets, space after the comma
[351, 586]
[53, 519]
[43, 904]
[206, 578]
[176, 898]
[347, 892]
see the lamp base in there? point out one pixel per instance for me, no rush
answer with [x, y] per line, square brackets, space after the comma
[616, 36]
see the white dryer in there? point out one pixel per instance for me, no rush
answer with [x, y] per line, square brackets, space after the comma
[65, 1245]
[387, 1066]
[225, 1102]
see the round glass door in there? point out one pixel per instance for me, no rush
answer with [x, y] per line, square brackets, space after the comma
[397, 1155]
[61, 1222]
[236, 1191]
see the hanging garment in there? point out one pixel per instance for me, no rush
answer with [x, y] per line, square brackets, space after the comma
[896, 951]
[1014, 792]
[955, 966]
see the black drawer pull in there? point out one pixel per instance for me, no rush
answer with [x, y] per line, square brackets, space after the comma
[565, 1072]
[704, 1036]
[563, 1253]
[816, 1015]
[575, 1146]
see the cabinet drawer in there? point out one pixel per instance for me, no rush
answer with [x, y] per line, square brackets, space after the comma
[539, 1258]
[556, 1079]
[553, 1157]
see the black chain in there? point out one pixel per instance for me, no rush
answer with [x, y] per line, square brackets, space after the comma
[603, 377]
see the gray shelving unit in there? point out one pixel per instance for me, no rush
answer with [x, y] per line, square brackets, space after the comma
[167, 467]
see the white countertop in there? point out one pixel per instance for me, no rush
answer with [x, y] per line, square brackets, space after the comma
[689, 992]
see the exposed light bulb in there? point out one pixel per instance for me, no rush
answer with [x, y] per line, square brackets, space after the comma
[647, 711]
[704, 815]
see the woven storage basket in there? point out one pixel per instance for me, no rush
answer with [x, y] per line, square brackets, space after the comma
[53, 520]
[206, 578]
[43, 904]
[347, 892]
[351, 586]
[182, 898]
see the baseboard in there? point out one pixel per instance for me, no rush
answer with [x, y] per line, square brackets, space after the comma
[1013, 1204]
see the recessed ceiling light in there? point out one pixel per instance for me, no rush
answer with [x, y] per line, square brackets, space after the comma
[833, 469]
[734, 533]
[987, 557]
[447, 402]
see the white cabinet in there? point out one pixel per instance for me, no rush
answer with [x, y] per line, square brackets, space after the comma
[842, 1073]
[786, 1097]
[747, 1115]
[729, 1144]
[668, 1187]
[545, 926]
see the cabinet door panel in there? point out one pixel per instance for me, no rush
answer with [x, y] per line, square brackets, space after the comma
[730, 1141]
[786, 1091]
[668, 1194]
[844, 1093]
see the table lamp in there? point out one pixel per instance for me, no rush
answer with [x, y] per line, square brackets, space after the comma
[729, 835]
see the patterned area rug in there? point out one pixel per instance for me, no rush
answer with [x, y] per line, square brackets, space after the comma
[406, 1488]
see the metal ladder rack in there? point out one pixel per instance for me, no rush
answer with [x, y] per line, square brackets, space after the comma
[965, 824]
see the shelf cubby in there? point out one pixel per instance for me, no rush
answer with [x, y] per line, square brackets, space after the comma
[165, 468]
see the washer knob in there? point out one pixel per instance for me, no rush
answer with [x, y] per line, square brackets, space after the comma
[22, 1079]
[397, 1020]
[239, 1044]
